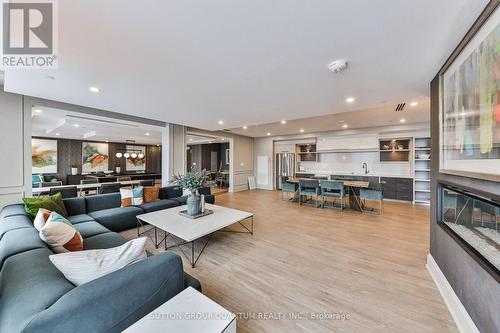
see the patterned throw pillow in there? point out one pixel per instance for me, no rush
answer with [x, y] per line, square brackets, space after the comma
[41, 218]
[151, 193]
[132, 197]
[60, 235]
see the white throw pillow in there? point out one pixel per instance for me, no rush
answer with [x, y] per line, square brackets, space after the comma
[85, 266]
[41, 218]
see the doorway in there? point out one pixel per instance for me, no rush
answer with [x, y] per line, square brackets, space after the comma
[211, 153]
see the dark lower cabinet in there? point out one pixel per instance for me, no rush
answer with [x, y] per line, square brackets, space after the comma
[398, 188]
[303, 175]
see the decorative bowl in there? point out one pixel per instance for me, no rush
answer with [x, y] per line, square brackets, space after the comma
[423, 156]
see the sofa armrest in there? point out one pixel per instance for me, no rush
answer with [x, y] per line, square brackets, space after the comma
[115, 301]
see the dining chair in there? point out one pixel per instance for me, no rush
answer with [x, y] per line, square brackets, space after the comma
[89, 190]
[332, 189]
[109, 188]
[373, 193]
[150, 182]
[287, 188]
[66, 191]
[123, 178]
[50, 184]
[309, 187]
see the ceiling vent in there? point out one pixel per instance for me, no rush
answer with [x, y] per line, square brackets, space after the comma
[400, 107]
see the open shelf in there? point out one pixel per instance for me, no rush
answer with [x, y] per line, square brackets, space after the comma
[422, 170]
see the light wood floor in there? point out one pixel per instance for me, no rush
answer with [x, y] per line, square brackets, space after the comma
[308, 260]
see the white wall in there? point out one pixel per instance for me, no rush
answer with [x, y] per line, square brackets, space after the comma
[263, 148]
[13, 181]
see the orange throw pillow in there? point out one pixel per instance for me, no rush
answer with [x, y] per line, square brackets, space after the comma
[151, 193]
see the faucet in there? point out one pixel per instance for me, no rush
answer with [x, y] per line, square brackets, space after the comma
[365, 167]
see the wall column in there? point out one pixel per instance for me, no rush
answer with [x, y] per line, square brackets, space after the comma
[173, 153]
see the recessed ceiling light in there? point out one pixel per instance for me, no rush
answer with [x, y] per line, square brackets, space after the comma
[210, 142]
[301, 130]
[57, 134]
[268, 134]
[147, 134]
[221, 122]
[345, 126]
[413, 103]
[190, 139]
[245, 127]
[76, 125]
[349, 99]
[38, 111]
[283, 122]
[94, 89]
[402, 120]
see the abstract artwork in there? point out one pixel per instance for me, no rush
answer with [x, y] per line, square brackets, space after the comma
[136, 163]
[470, 117]
[94, 157]
[43, 156]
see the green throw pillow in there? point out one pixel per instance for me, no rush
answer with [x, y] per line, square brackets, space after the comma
[50, 202]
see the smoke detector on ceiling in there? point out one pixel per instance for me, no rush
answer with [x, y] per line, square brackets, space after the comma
[338, 66]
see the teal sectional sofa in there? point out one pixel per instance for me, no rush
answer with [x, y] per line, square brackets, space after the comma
[36, 297]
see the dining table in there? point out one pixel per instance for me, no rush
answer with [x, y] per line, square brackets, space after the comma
[354, 200]
[80, 187]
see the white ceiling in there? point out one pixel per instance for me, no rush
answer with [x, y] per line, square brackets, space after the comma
[374, 117]
[248, 62]
[197, 139]
[56, 123]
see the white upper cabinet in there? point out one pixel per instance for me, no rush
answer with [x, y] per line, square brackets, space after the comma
[346, 143]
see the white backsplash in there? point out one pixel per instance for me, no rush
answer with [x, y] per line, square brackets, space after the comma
[353, 162]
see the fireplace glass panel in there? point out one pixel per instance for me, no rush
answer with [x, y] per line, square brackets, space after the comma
[476, 221]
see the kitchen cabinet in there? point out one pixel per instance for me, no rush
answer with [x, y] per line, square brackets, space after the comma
[347, 143]
[398, 188]
[303, 175]
[307, 153]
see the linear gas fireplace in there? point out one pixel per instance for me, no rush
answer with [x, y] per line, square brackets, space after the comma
[475, 220]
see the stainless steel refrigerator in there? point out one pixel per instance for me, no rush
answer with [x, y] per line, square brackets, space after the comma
[285, 166]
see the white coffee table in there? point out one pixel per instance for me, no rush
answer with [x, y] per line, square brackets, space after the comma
[190, 230]
[187, 312]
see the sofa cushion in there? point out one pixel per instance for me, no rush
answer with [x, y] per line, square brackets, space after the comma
[75, 219]
[181, 200]
[103, 241]
[117, 219]
[159, 205]
[18, 241]
[170, 192]
[14, 222]
[29, 284]
[17, 209]
[90, 228]
[75, 206]
[102, 201]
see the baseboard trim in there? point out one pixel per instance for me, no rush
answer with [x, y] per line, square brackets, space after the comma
[458, 312]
